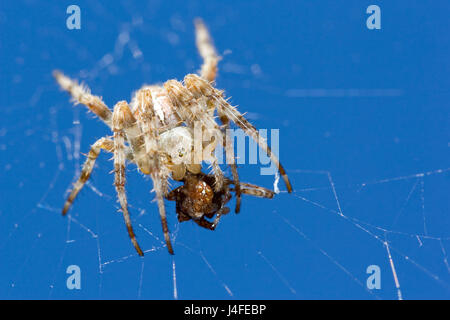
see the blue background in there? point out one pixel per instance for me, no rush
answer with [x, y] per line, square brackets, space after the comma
[378, 131]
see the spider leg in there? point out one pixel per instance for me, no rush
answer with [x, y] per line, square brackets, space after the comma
[81, 94]
[193, 111]
[200, 87]
[119, 120]
[219, 215]
[257, 191]
[133, 135]
[182, 217]
[231, 112]
[209, 71]
[207, 51]
[229, 153]
[88, 166]
[158, 173]
[157, 186]
[172, 195]
[202, 222]
[218, 173]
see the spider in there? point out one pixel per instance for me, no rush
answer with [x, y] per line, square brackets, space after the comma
[196, 199]
[156, 132]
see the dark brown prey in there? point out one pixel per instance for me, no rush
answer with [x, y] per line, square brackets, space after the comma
[197, 200]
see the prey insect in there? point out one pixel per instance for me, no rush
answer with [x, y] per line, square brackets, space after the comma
[197, 200]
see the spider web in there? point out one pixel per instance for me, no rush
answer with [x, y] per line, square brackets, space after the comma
[314, 243]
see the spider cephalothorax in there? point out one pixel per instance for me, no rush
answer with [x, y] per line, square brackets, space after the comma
[156, 132]
[196, 199]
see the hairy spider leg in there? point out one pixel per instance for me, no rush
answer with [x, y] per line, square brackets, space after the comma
[235, 116]
[254, 190]
[208, 71]
[82, 94]
[212, 225]
[190, 110]
[199, 86]
[229, 154]
[207, 51]
[148, 122]
[120, 121]
[102, 143]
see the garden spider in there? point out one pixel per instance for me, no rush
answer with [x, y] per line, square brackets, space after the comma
[156, 132]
